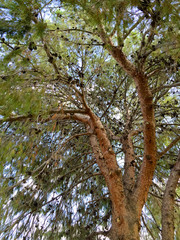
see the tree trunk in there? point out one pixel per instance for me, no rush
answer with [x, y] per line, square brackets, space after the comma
[168, 202]
[125, 222]
[128, 230]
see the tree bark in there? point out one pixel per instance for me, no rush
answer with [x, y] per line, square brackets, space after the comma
[125, 222]
[144, 180]
[168, 202]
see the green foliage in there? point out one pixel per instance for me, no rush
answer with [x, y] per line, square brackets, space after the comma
[50, 181]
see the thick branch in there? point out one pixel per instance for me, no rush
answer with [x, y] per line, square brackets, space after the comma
[110, 170]
[147, 109]
[168, 202]
[98, 154]
[53, 111]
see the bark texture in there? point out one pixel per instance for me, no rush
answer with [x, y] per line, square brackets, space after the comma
[144, 181]
[125, 222]
[168, 202]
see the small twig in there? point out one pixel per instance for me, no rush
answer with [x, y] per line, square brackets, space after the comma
[113, 98]
[74, 136]
[153, 218]
[157, 70]
[147, 227]
[133, 27]
[168, 147]
[71, 29]
[165, 86]
[98, 198]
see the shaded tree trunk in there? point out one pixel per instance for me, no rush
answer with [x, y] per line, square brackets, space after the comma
[168, 202]
[129, 229]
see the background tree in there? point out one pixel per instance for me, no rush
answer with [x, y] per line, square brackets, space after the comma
[89, 119]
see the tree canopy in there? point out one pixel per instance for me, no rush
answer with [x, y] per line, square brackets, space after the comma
[89, 127]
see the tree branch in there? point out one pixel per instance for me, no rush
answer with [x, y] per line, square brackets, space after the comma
[113, 98]
[146, 226]
[97, 153]
[109, 168]
[168, 147]
[165, 86]
[53, 111]
[129, 168]
[74, 136]
[146, 102]
[133, 27]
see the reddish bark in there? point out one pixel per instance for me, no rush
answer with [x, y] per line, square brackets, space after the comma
[146, 102]
[112, 174]
[125, 224]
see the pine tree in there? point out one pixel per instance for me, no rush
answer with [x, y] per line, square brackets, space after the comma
[89, 119]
